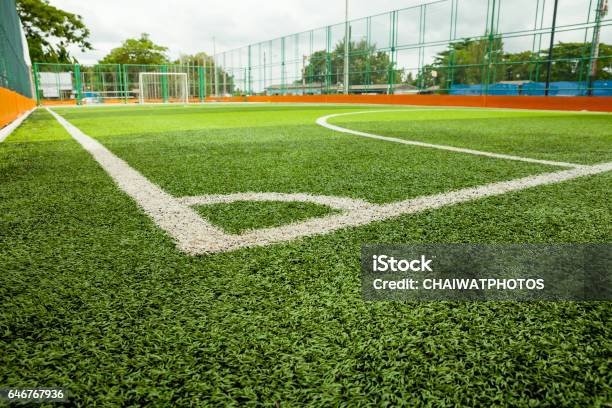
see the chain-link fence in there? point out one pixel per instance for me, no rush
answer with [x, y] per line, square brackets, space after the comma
[14, 72]
[456, 47]
[460, 47]
[113, 83]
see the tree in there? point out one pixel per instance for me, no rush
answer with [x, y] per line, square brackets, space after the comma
[571, 62]
[137, 51]
[464, 62]
[367, 66]
[199, 58]
[203, 59]
[50, 31]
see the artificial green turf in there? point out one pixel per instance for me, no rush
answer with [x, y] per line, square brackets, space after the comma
[95, 298]
[294, 155]
[241, 216]
[563, 136]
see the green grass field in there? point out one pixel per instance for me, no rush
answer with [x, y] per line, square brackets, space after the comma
[96, 298]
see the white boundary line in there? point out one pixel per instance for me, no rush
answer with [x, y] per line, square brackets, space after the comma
[181, 222]
[195, 236]
[322, 121]
[383, 212]
[8, 129]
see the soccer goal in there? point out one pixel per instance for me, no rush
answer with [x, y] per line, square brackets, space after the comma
[163, 87]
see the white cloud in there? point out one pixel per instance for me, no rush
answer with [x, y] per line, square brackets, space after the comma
[188, 26]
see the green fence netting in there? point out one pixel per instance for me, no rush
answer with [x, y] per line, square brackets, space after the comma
[457, 47]
[14, 72]
[447, 46]
[106, 83]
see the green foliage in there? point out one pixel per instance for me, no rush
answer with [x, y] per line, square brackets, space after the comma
[367, 66]
[199, 58]
[465, 62]
[466, 58]
[137, 51]
[41, 22]
[203, 59]
[568, 66]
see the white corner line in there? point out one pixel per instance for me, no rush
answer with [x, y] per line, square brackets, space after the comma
[8, 129]
[322, 121]
[180, 221]
[195, 236]
[317, 226]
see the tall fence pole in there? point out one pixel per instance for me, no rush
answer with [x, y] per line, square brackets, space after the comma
[164, 81]
[202, 82]
[125, 84]
[550, 48]
[36, 83]
[77, 80]
[602, 8]
[391, 73]
[215, 67]
[346, 47]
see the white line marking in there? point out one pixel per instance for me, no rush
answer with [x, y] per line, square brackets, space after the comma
[365, 216]
[322, 121]
[8, 129]
[340, 203]
[180, 221]
[196, 236]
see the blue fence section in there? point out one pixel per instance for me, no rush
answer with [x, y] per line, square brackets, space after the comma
[602, 88]
[562, 88]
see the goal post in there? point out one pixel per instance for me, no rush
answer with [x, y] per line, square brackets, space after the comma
[156, 87]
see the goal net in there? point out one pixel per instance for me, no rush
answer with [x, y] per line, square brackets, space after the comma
[163, 87]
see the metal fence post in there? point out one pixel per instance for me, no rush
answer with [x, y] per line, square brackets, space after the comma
[202, 83]
[164, 69]
[125, 84]
[599, 13]
[550, 48]
[77, 80]
[393, 56]
[36, 83]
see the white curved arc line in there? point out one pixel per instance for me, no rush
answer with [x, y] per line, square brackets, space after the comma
[317, 226]
[322, 121]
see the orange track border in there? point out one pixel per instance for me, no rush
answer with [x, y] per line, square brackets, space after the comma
[13, 105]
[566, 103]
[569, 103]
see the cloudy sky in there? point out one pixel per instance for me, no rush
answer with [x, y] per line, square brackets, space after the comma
[188, 26]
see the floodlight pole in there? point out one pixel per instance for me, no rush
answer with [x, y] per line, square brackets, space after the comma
[550, 48]
[346, 47]
[602, 9]
[215, 67]
[264, 74]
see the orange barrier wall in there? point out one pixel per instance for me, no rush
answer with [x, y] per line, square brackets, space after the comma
[596, 103]
[13, 105]
[55, 102]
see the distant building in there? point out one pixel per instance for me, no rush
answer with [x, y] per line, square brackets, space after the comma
[318, 88]
[55, 85]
